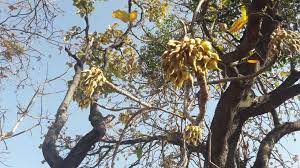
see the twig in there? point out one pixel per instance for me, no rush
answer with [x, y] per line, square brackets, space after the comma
[245, 77]
[24, 113]
[132, 97]
[195, 15]
[141, 111]
[129, 95]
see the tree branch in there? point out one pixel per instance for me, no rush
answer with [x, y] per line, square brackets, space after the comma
[267, 103]
[50, 153]
[289, 81]
[79, 152]
[251, 35]
[275, 118]
[267, 144]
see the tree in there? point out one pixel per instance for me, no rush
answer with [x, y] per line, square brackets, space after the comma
[159, 73]
[22, 24]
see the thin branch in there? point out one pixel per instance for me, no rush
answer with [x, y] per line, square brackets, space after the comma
[127, 94]
[266, 67]
[139, 112]
[196, 13]
[24, 113]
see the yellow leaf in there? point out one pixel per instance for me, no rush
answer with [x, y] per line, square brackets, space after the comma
[122, 15]
[252, 61]
[164, 9]
[284, 74]
[240, 22]
[243, 11]
[133, 16]
[125, 16]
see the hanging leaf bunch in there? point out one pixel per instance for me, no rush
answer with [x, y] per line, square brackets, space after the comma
[193, 134]
[290, 39]
[91, 81]
[188, 56]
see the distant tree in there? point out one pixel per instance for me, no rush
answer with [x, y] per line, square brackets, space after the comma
[150, 87]
[23, 23]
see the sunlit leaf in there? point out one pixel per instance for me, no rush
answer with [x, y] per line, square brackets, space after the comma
[133, 16]
[225, 2]
[284, 74]
[125, 16]
[252, 61]
[240, 22]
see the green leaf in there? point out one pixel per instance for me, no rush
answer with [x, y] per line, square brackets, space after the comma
[139, 152]
[284, 74]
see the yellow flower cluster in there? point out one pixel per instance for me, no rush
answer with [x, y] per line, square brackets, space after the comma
[193, 134]
[91, 80]
[187, 56]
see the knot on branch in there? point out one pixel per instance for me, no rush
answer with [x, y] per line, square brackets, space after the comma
[98, 121]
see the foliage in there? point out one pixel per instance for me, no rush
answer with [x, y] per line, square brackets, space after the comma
[250, 70]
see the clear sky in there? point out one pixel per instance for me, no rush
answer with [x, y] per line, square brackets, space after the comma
[23, 151]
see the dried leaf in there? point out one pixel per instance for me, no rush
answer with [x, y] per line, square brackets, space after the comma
[139, 152]
[12, 7]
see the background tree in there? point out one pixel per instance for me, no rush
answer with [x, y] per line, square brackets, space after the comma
[22, 25]
[182, 84]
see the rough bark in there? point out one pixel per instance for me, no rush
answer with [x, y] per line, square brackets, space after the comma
[227, 124]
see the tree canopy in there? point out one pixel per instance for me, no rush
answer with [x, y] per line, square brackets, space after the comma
[170, 83]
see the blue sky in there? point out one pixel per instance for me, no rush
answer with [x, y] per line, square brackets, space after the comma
[23, 150]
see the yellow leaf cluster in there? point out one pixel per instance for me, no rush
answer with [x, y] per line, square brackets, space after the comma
[193, 134]
[11, 48]
[125, 16]
[124, 117]
[90, 82]
[188, 56]
[240, 22]
[284, 74]
[156, 10]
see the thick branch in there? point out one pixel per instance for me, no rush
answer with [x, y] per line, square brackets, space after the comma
[226, 123]
[222, 122]
[50, 153]
[267, 103]
[275, 118]
[251, 36]
[79, 152]
[267, 144]
[289, 81]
